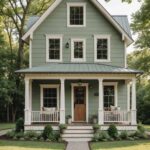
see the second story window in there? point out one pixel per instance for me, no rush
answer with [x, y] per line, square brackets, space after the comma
[76, 15]
[102, 48]
[54, 48]
[77, 50]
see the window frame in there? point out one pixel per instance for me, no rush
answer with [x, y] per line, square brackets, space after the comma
[73, 59]
[96, 37]
[42, 86]
[115, 84]
[68, 13]
[47, 47]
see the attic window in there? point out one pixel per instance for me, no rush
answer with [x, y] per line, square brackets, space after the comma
[102, 48]
[76, 15]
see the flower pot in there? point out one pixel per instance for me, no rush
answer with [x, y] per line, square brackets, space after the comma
[95, 120]
[69, 120]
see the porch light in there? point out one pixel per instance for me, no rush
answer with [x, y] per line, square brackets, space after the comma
[67, 45]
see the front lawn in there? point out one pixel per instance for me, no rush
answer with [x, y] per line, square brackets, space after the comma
[122, 145]
[147, 127]
[4, 126]
[23, 145]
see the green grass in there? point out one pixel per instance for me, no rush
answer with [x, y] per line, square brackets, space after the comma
[147, 127]
[122, 145]
[4, 126]
[23, 145]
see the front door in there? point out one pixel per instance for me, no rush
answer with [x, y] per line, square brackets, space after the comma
[80, 103]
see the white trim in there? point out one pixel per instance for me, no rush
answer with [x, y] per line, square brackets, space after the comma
[42, 18]
[42, 86]
[101, 36]
[53, 36]
[72, 50]
[87, 99]
[30, 51]
[112, 21]
[68, 13]
[115, 84]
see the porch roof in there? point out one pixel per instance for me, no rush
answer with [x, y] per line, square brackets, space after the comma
[79, 68]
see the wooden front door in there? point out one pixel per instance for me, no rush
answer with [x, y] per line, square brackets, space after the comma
[79, 103]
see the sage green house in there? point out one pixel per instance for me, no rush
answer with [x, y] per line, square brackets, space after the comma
[78, 68]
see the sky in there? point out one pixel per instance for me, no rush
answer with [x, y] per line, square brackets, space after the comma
[116, 7]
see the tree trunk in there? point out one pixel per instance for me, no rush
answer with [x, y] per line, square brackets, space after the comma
[8, 119]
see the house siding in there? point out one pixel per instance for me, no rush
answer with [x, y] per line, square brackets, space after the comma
[96, 23]
[93, 96]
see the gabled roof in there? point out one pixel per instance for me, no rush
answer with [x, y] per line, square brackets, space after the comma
[113, 20]
[78, 68]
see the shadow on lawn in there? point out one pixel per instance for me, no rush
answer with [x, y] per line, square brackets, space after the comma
[120, 144]
[36, 145]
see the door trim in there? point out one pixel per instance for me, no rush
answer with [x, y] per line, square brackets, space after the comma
[87, 99]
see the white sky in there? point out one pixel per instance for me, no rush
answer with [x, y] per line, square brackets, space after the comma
[116, 7]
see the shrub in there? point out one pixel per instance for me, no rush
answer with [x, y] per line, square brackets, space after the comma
[124, 135]
[10, 134]
[103, 136]
[112, 131]
[20, 125]
[95, 137]
[19, 135]
[141, 128]
[62, 127]
[54, 137]
[31, 134]
[96, 128]
[47, 131]
[140, 134]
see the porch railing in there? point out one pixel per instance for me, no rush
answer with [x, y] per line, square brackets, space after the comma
[117, 116]
[44, 116]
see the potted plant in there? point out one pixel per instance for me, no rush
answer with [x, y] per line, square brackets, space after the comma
[69, 119]
[62, 127]
[96, 128]
[95, 119]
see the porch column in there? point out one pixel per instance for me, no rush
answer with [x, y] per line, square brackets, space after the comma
[133, 108]
[101, 103]
[62, 101]
[27, 102]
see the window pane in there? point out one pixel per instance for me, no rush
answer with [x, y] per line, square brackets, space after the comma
[76, 15]
[50, 97]
[102, 48]
[78, 49]
[54, 49]
[109, 96]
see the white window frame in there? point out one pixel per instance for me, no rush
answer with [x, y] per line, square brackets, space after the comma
[68, 13]
[73, 59]
[47, 47]
[96, 37]
[115, 84]
[42, 86]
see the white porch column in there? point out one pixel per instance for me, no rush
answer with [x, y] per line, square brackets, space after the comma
[101, 103]
[27, 102]
[133, 108]
[62, 101]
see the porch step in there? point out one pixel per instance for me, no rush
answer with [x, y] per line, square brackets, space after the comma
[78, 133]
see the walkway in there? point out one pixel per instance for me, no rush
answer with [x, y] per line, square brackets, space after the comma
[77, 146]
[3, 132]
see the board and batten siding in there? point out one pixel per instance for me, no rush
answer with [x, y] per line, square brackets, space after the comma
[96, 24]
[93, 97]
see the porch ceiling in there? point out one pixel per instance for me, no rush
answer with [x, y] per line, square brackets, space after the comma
[79, 68]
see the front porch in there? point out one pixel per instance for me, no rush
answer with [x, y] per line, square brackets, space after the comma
[81, 104]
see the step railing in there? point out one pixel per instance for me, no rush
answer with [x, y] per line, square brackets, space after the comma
[117, 116]
[44, 116]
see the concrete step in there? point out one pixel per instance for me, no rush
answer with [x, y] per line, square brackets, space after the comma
[77, 139]
[77, 135]
[80, 127]
[71, 131]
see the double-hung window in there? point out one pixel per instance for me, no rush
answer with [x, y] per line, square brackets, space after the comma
[102, 48]
[49, 96]
[54, 48]
[76, 14]
[110, 95]
[78, 50]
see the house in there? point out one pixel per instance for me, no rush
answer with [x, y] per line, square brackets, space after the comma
[78, 67]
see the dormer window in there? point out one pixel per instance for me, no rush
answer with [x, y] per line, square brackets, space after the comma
[54, 48]
[76, 15]
[102, 48]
